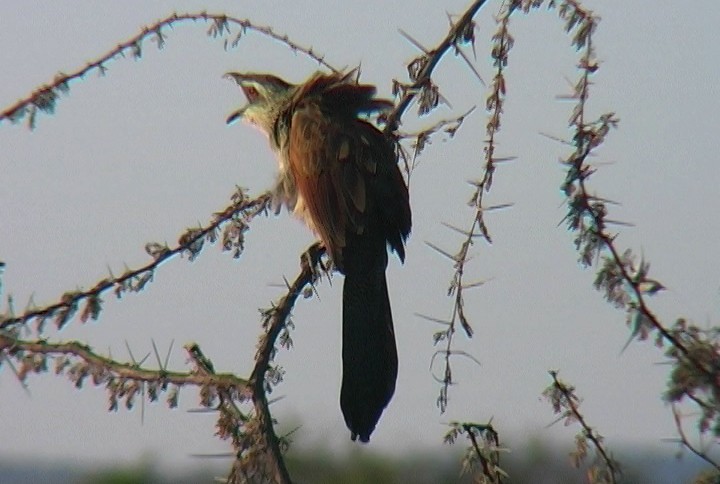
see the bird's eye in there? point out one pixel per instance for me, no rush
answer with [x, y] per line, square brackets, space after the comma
[251, 93]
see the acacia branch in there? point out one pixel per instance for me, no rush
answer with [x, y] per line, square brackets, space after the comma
[135, 279]
[424, 137]
[275, 321]
[640, 303]
[246, 433]
[429, 61]
[502, 43]
[686, 442]
[566, 402]
[130, 371]
[696, 356]
[626, 284]
[44, 97]
[484, 449]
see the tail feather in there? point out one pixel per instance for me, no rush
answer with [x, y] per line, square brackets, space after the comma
[370, 362]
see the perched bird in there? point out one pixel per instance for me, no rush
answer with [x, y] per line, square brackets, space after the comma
[339, 174]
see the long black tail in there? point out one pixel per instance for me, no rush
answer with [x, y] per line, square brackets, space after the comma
[370, 362]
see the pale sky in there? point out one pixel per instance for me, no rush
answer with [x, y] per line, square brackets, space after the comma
[144, 152]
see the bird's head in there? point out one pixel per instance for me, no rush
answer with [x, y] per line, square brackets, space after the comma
[267, 95]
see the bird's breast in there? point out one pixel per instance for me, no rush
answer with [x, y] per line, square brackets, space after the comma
[288, 193]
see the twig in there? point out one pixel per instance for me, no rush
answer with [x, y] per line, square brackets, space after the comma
[625, 283]
[430, 60]
[485, 451]
[67, 306]
[275, 321]
[502, 44]
[423, 138]
[114, 369]
[686, 442]
[45, 96]
[565, 402]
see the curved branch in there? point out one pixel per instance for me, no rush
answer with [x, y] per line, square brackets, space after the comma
[430, 60]
[564, 400]
[130, 371]
[701, 453]
[484, 449]
[502, 43]
[45, 96]
[275, 320]
[63, 310]
[619, 268]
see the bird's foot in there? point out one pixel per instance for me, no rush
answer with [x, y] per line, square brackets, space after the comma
[312, 259]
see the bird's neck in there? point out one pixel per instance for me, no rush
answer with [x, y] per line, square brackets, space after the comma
[279, 131]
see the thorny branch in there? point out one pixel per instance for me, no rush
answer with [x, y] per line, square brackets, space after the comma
[701, 453]
[502, 43]
[421, 69]
[483, 451]
[580, 23]
[258, 449]
[229, 411]
[566, 403]
[44, 98]
[122, 380]
[695, 354]
[422, 138]
[239, 213]
[624, 281]
[275, 321]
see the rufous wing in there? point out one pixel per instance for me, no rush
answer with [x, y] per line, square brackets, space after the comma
[345, 169]
[322, 160]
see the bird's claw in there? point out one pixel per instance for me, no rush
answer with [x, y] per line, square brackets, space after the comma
[311, 259]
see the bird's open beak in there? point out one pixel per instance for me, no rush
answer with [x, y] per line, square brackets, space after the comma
[238, 78]
[235, 116]
[235, 76]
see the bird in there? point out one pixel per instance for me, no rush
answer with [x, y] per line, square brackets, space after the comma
[339, 174]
